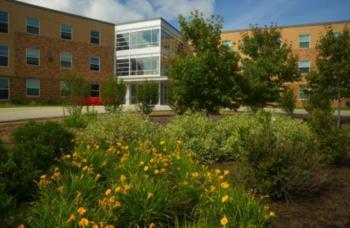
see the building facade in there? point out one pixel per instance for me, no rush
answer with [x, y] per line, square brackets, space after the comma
[303, 40]
[142, 52]
[38, 46]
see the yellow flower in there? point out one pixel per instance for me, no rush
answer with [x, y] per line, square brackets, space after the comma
[162, 142]
[156, 171]
[108, 192]
[98, 176]
[109, 226]
[81, 211]
[78, 194]
[151, 225]
[142, 163]
[146, 168]
[71, 218]
[60, 189]
[225, 198]
[225, 185]
[224, 221]
[226, 172]
[21, 226]
[117, 204]
[217, 171]
[84, 222]
[195, 174]
[221, 177]
[212, 188]
[149, 195]
[122, 178]
[95, 225]
[178, 142]
[118, 189]
[272, 214]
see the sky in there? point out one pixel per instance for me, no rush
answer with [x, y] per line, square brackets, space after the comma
[237, 14]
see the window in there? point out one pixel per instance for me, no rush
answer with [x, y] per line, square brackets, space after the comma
[95, 63]
[122, 67]
[4, 56]
[94, 90]
[95, 37]
[123, 41]
[303, 92]
[304, 41]
[33, 25]
[143, 39]
[4, 22]
[227, 43]
[64, 90]
[304, 66]
[33, 87]
[144, 66]
[66, 32]
[4, 89]
[33, 56]
[66, 60]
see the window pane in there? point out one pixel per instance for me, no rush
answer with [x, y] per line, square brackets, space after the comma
[304, 41]
[33, 87]
[304, 66]
[145, 66]
[66, 60]
[4, 89]
[142, 39]
[94, 90]
[95, 64]
[123, 41]
[3, 21]
[303, 92]
[33, 56]
[33, 25]
[95, 37]
[155, 37]
[122, 67]
[4, 55]
[66, 32]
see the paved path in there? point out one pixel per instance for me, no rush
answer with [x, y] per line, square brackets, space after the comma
[30, 113]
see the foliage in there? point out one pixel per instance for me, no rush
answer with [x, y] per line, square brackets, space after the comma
[36, 147]
[269, 63]
[278, 156]
[208, 140]
[141, 185]
[121, 126]
[80, 120]
[287, 101]
[113, 94]
[147, 96]
[204, 76]
[332, 79]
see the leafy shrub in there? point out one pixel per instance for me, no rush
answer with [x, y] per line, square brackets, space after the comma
[287, 101]
[279, 156]
[15, 100]
[147, 96]
[141, 185]
[36, 147]
[121, 126]
[209, 140]
[77, 119]
[113, 94]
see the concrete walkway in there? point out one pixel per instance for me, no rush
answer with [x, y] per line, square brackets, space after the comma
[31, 113]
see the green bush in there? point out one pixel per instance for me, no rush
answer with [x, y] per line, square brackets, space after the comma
[287, 101]
[278, 157]
[77, 119]
[147, 96]
[113, 94]
[141, 185]
[209, 140]
[36, 147]
[121, 126]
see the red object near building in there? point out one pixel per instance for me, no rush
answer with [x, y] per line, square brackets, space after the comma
[94, 101]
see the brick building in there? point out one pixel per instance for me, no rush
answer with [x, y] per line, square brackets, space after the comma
[303, 40]
[39, 45]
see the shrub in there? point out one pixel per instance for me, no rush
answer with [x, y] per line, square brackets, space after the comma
[122, 126]
[77, 119]
[113, 94]
[36, 147]
[147, 96]
[141, 185]
[278, 157]
[287, 101]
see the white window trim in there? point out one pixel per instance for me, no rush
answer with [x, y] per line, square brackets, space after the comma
[8, 57]
[71, 60]
[27, 56]
[309, 41]
[72, 31]
[99, 63]
[26, 24]
[100, 37]
[9, 92]
[27, 87]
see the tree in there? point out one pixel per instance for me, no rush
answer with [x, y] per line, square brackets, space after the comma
[113, 94]
[204, 76]
[267, 65]
[332, 80]
[287, 101]
[146, 96]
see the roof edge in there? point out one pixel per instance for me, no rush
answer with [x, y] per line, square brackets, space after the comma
[149, 19]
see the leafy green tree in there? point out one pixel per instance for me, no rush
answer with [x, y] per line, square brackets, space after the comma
[332, 80]
[203, 76]
[146, 96]
[268, 63]
[287, 101]
[113, 94]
